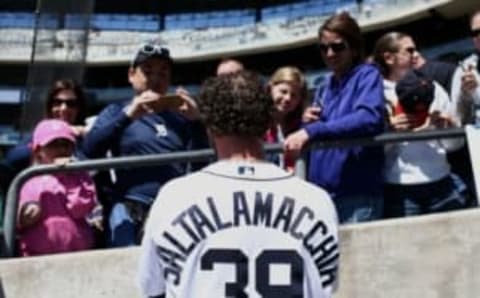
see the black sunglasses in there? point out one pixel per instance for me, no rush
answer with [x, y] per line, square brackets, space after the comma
[336, 47]
[151, 49]
[475, 32]
[411, 50]
[69, 102]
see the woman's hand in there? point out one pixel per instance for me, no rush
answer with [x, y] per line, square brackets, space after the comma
[311, 114]
[294, 142]
[79, 130]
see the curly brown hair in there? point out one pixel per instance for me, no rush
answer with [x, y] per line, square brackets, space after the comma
[236, 105]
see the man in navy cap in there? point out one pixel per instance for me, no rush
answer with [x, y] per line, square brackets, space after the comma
[148, 123]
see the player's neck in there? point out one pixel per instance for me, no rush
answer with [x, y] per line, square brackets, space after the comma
[236, 148]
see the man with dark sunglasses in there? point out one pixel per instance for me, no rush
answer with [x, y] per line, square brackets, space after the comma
[148, 123]
[465, 84]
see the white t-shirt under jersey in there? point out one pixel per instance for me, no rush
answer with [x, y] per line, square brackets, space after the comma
[240, 229]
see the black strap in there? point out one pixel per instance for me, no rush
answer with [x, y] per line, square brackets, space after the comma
[478, 62]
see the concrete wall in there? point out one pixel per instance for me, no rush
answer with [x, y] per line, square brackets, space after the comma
[430, 257]
[102, 273]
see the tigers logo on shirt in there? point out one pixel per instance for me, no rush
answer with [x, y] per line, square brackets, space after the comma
[161, 130]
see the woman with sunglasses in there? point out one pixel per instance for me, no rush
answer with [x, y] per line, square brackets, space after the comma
[65, 101]
[350, 105]
[417, 174]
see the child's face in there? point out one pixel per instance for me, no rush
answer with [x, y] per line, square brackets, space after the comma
[53, 150]
[286, 97]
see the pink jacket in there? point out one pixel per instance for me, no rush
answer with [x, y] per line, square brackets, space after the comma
[65, 201]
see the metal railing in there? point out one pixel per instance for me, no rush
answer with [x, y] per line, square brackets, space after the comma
[2, 237]
[193, 156]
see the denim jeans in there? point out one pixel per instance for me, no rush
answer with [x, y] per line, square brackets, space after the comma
[406, 200]
[359, 208]
[126, 223]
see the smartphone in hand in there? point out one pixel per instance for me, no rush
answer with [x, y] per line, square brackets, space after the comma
[171, 101]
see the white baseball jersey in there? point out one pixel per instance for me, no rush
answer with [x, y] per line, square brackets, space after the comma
[240, 229]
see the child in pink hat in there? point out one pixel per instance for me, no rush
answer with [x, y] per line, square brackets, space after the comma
[53, 207]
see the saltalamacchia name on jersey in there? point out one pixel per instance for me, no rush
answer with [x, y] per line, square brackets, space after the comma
[195, 224]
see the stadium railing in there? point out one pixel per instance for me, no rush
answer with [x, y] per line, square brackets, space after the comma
[194, 156]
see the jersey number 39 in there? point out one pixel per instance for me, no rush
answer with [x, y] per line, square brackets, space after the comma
[262, 268]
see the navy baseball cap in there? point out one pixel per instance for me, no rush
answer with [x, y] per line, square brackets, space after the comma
[150, 50]
[415, 88]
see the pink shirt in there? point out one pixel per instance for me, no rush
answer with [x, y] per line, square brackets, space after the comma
[65, 201]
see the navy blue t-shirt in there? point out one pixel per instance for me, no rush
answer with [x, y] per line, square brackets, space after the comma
[163, 132]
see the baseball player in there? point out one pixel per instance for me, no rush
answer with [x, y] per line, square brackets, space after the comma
[240, 227]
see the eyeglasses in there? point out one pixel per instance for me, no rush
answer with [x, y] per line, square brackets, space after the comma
[336, 47]
[69, 102]
[151, 49]
[475, 32]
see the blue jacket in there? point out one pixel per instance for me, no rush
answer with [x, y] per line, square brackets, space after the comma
[17, 159]
[351, 107]
[159, 133]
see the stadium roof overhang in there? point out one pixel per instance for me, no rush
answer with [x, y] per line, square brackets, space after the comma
[179, 6]
[152, 6]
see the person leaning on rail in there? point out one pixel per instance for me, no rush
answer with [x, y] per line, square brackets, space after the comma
[417, 174]
[288, 89]
[350, 105]
[148, 123]
[54, 209]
